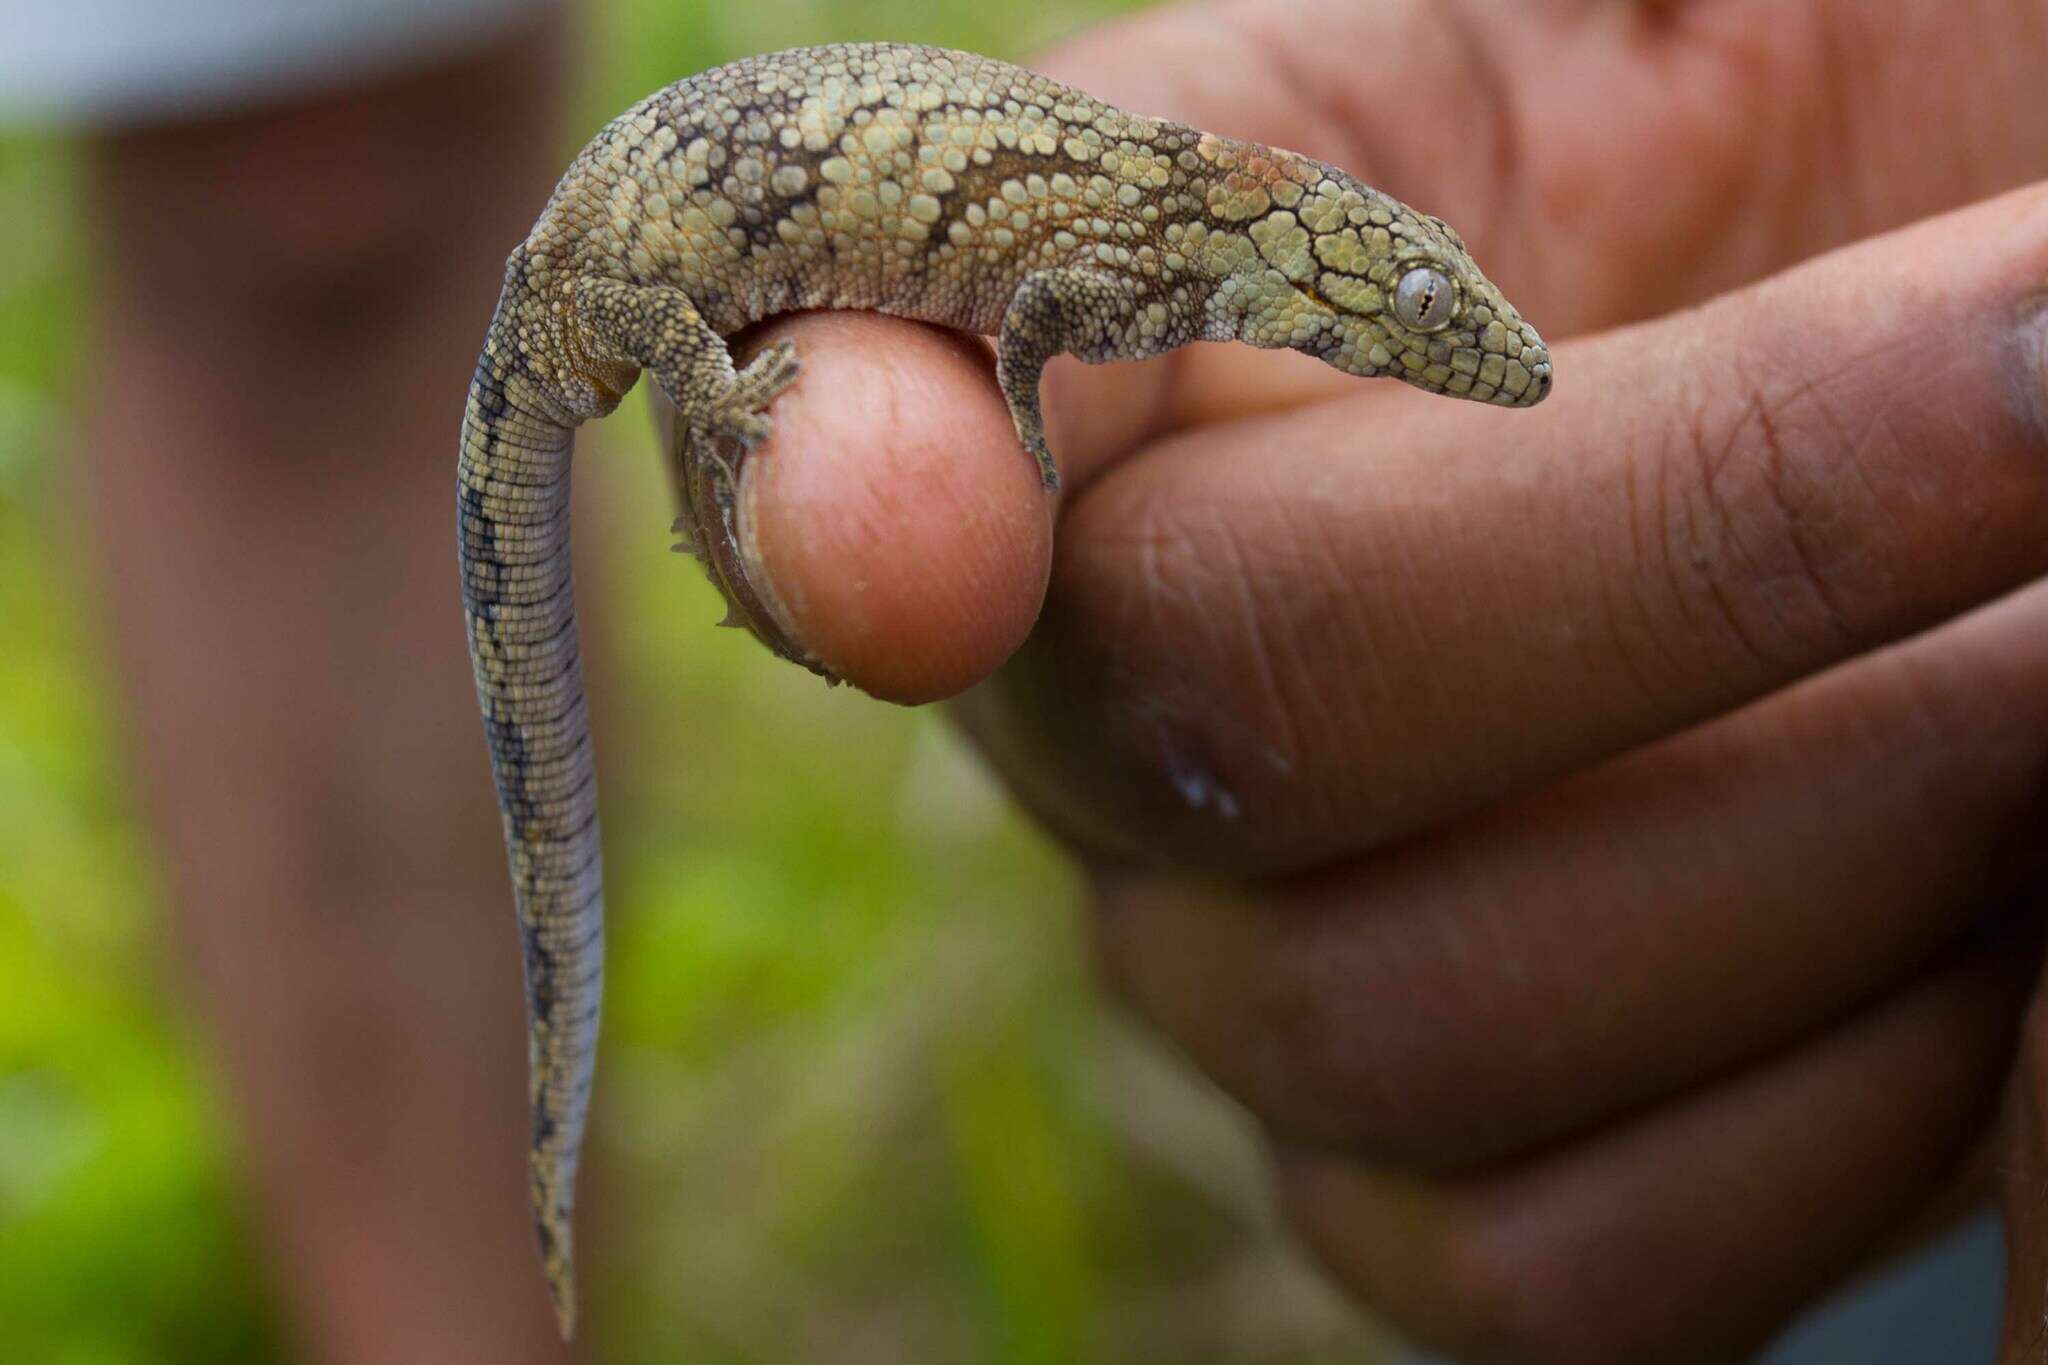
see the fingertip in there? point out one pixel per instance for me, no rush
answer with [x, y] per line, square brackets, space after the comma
[896, 527]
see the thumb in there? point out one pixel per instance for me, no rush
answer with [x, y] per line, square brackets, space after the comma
[891, 532]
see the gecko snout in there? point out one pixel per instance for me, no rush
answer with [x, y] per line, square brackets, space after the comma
[1534, 357]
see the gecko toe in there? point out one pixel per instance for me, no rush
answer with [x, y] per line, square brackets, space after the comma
[750, 429]
[766, 375]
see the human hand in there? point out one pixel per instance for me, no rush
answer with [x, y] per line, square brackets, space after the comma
[1570, 832]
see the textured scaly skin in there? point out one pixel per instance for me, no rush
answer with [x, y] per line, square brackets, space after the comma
[914, 181]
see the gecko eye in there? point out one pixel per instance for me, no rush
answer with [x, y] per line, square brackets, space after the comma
[1424, 299]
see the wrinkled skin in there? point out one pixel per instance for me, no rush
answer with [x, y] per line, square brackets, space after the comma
[1598, 843]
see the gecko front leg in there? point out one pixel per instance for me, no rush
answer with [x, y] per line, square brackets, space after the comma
[1078, 312]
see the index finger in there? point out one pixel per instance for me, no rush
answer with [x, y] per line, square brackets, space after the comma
[1335, 80]
[1606, 161]
[1292, 638]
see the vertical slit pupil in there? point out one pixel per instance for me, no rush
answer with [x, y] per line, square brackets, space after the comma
[1423, 299]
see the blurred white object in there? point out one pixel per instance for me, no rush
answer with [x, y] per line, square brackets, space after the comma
[122, 61]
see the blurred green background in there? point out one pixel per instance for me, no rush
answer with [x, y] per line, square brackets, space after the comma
[860, 1102]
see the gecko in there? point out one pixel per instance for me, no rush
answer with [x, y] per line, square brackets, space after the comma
[914, 181]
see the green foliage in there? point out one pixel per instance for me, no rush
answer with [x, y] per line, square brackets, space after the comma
[118, 1241]
[639, 45]
[860, 1099]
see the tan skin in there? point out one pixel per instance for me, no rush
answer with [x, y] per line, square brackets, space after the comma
[289, 313]
[1450, 932]
[1571, 833]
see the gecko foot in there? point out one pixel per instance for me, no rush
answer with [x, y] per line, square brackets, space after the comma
[1031, 435]
[1048, 472]
[741, 410]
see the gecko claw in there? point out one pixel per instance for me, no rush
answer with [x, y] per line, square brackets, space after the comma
[742, 410]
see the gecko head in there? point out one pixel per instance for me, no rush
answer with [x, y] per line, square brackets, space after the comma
[1374, 287]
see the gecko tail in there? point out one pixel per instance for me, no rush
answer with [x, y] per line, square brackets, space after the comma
[562, 1046]
[562, 1049]
[512, 500]
[562, 1280]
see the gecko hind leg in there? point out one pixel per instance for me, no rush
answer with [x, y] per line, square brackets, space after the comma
[658, 329]
[720, 416]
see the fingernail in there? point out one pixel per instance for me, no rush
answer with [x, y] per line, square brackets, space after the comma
[767, 610]
[718, 524]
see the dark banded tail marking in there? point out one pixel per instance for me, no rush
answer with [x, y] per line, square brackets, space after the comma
[512, 499]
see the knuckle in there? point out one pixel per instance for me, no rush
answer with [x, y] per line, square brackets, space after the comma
[1308, 1081]
[1164, 628]
[1511, 1296]
[1279, 1025]
[1336, 1057]
[1475, 1271]
[1491, 1290]
[1751, 547]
